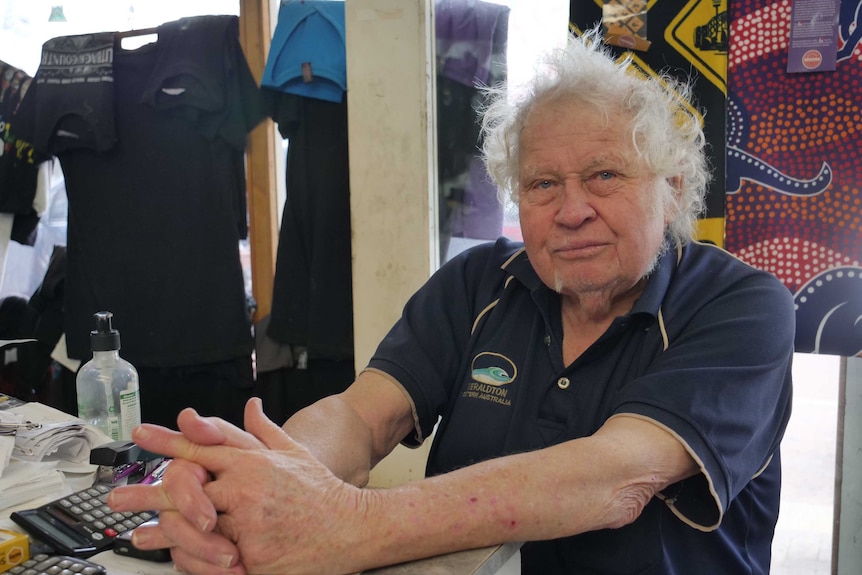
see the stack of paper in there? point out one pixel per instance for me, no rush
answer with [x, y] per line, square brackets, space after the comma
[46, 434]
[38, 443]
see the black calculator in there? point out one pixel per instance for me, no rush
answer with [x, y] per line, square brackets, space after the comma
[48, 564]
[80, 524]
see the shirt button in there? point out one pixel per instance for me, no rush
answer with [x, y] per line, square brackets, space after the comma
[563, 383]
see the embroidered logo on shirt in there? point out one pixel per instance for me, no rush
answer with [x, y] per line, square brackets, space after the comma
[490, 372]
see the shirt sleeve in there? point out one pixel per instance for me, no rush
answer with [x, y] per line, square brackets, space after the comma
[424, 350]
[722, 385]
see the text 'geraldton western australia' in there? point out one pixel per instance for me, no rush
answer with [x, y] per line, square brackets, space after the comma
[487, 392]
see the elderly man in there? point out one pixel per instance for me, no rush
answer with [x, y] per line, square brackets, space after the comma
[610, 392]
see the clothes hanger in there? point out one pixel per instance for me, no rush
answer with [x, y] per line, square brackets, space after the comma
[138, 32]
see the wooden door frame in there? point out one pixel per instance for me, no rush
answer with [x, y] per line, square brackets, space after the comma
[255, 35]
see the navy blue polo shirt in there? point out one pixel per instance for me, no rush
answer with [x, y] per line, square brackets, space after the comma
[705, 352]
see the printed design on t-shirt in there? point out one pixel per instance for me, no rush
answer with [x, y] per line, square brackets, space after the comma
[84, 59]
[490, 373]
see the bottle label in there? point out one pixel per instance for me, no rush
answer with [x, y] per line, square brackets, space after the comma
[130, 410]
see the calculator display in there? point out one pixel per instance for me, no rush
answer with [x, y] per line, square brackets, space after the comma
[59, 531]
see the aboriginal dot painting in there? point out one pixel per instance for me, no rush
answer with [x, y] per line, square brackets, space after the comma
[794, 170]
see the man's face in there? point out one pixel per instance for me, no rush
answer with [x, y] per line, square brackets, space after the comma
[589, 209]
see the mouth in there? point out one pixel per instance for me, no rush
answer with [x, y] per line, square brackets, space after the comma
[579, 250]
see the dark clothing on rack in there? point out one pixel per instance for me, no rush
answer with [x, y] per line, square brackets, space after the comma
[312, 293]
[27, 370]
[220, 388]
[155, 221]
[155, 178]
[312, 308]
[287, 390]
[19, 162]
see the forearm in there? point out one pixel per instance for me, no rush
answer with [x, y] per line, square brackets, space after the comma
[352, 431]
[335, 434]
[583, 485]
[492, 502]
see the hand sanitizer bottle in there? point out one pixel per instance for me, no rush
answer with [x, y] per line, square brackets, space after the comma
[107, 385]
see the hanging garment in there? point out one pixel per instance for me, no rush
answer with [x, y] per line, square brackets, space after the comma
[471, 41]
[19, 162]
[312, 291]
[155, 221]
[307, 55]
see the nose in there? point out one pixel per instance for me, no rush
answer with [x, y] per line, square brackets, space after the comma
[576, 206]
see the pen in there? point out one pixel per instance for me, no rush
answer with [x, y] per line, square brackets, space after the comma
[155, 475]
[127, 470]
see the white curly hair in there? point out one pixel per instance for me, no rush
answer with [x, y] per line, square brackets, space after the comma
[666, 130]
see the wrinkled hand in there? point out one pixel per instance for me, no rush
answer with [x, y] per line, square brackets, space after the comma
[286, 511]
[187, 518]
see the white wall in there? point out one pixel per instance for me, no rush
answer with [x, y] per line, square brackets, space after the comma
[392, 176]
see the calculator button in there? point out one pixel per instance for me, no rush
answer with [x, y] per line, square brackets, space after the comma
[109, 532]
[43, 564]
[65, 503]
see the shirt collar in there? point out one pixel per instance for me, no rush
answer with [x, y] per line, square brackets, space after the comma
[519, 266]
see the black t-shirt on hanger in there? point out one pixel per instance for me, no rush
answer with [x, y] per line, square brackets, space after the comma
[155, 220]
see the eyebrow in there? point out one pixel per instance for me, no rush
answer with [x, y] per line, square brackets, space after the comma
[533, 171]
[606, 159]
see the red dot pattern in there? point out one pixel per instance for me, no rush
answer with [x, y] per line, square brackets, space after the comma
[795, 123]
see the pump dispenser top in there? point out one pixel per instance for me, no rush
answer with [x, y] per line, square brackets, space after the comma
[104, 337]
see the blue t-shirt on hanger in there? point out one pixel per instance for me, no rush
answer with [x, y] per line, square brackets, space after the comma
[307, 56]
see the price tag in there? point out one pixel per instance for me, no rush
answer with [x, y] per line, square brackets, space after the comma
[813, 45]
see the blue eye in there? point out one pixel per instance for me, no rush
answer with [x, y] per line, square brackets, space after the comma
[544, 184]
[605, 175]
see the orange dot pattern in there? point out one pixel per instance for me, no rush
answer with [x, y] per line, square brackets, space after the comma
[794, 123]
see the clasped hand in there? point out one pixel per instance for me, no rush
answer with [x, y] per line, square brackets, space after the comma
[238, 502]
